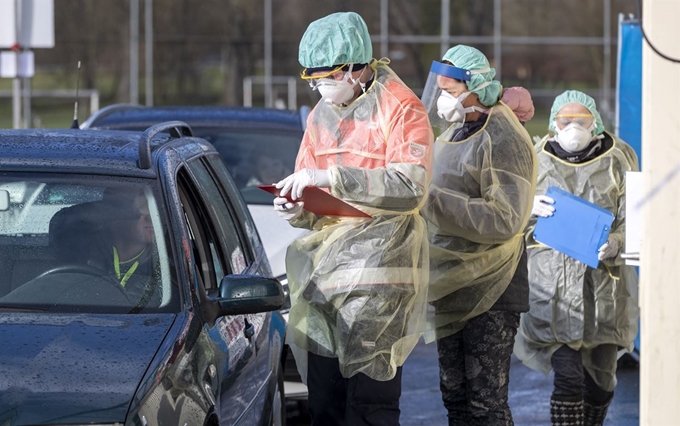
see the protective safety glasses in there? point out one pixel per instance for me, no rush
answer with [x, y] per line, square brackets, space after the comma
[335, 75]
[305, 76]
[583, 120]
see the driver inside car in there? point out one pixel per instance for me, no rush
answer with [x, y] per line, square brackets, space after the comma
[127, 250]
[268, 170]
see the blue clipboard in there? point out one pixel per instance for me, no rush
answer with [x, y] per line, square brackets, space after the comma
[578, 228]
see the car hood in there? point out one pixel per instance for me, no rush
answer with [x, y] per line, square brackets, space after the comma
[74, 368]
[276, 235]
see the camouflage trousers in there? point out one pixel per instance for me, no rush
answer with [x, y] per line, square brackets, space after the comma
[474, 370]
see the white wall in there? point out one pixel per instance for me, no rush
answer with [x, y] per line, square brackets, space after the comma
[660, 256]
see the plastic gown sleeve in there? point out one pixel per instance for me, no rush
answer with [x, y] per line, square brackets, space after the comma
[398, 187]
[498, 216]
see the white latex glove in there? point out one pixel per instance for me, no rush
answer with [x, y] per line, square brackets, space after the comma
[298, 181]
[286, 209]
[542, 206]
[608, 250]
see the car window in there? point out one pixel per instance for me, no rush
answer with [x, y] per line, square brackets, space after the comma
[204, 240]
[222, 216]
[86, 244]
[255, 157]
[247, 228]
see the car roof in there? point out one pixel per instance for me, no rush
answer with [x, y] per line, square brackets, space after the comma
[102, 152]
[121, 116]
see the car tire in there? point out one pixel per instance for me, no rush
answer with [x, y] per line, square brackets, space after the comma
[279, 403]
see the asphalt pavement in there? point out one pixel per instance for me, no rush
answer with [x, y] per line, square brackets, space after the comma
[421, 403]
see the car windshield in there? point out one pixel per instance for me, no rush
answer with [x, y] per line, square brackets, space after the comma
[255, 157]
[83, 244]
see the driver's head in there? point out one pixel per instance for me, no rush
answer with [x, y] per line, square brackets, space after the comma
[126, 215]
[270, 169]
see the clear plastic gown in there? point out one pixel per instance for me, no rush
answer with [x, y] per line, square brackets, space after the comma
[358, 286]
[478, 206]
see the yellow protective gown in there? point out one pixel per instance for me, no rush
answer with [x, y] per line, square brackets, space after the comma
[571, 303]
[358, 286]
[478, 206]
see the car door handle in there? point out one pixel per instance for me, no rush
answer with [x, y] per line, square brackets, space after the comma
[249, 330]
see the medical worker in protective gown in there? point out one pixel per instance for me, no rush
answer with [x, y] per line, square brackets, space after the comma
[358, 285]
[478, 206]
[579, 317]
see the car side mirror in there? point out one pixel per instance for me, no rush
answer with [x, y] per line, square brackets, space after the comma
[249, 294]
[4, 200]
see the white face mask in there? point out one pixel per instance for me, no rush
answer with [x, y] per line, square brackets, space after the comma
[451, 108]
[574, 137]
[338, 92]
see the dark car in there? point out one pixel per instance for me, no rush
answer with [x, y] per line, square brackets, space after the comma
[134, 288]
[259, 146]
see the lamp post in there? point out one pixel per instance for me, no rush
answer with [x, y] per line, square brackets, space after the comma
[134, 52]
[268, 101]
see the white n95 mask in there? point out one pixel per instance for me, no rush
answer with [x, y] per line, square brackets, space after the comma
[338, 92]
[451, 108]
[574, 137]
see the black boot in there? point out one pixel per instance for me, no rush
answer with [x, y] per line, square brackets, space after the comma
[566, 410]
[594, 414]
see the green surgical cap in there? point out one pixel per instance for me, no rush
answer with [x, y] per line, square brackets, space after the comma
[575, 97]
[339, 38]
[471, 59]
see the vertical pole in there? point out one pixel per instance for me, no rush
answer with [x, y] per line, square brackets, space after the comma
[384, 28]
[16, 82]
[292, 93]
[27, 103]
[268, 101]
[94, 101]
[606, 80]
[148, 38]
[617, 89]
[659, 290]
[445, 26]
[497, 51]
[247, 92]
[134, 52]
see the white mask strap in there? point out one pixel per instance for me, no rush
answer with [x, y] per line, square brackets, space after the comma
[482, 71]
[481, 86]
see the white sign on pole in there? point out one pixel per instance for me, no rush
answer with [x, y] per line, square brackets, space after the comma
[8, 64]
[26, 64]
[37, 24]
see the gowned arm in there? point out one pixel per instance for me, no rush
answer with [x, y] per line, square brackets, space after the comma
[497, 217]
[398, 187]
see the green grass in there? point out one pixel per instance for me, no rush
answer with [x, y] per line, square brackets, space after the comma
[45, 113]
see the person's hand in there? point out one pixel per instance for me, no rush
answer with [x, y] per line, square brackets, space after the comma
[542, 206]
[608, 250]
[298, 181]
[286, 209]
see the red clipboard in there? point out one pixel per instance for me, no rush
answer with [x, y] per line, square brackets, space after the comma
[320, 202]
